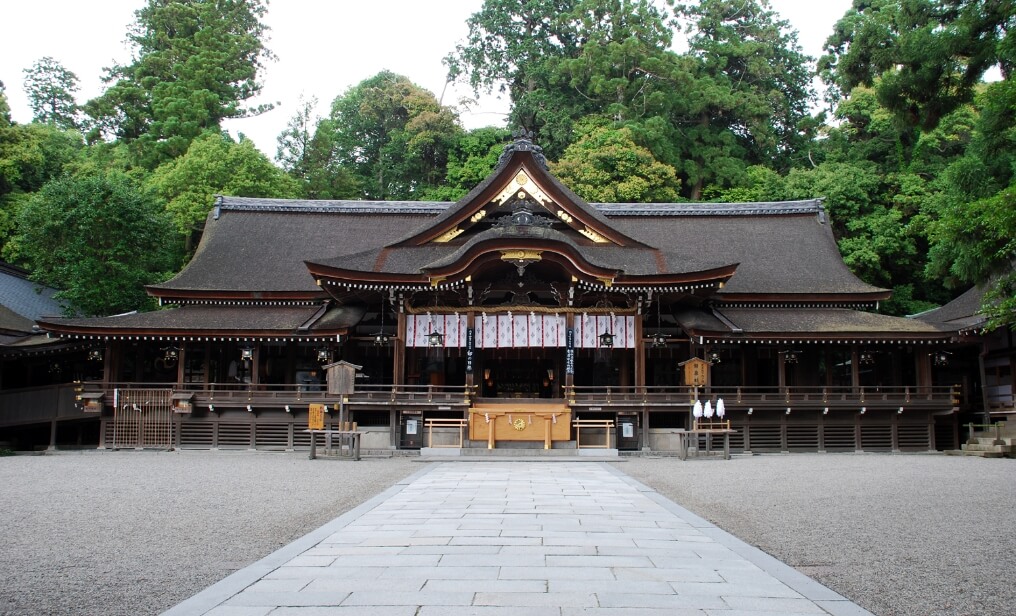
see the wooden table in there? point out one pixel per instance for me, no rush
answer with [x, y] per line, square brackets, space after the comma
[686, 436]
[352, 435]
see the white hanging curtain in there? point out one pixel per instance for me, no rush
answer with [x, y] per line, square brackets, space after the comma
[521, 329]
[451, 326]
[588, 328]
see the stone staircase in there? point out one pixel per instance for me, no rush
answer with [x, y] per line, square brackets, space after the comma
[994, 441]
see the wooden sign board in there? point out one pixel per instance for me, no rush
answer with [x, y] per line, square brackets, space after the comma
[696, 372]
[341, 377]
[316, 418]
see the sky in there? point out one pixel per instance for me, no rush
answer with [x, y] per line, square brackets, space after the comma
[323, 48]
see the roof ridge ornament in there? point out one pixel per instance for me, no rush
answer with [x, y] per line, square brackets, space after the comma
[523, 142]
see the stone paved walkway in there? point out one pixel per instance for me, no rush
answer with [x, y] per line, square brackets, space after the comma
[518, 538]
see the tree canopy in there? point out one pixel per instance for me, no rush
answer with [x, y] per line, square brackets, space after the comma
[50, 88]
[216, 165]
[196, 62]
[99, 239]
[392, 135]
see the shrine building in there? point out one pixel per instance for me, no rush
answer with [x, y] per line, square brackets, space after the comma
[511, 316]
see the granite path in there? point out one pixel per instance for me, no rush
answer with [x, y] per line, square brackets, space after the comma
[519, 538]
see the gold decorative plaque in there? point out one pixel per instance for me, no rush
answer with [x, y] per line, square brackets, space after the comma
[519, 424]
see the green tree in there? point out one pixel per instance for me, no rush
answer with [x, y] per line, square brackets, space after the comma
[559, 61]
[294, 142]
[50, 88]
[306, 155]
[195, 63]
[472, 157]
[513, 47]
[5, 107]
[750, 49]
[216, 165]
[973, 234]
[924, 58]
[606, 165]
[30, 156]
[99, 238]
[390, 134]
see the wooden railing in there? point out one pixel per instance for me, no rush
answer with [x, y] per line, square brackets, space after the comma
[765, 397]
[437, 396]
[273, 395]
[39, 404]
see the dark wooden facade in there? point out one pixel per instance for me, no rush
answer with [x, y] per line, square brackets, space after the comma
[522, 292]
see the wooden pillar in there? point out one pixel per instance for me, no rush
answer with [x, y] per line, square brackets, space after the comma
[253, 426]
[640, 353]
[645, 430]
[108, 364]
[855, 373]
[821, 433]
[896, 433]
[393, 428]
[206, 365]
[399, 354]
[569, 379]
[982, 371]
[858, 418]
[470, 323]
[52, 435]
[923, 368]
[102, 433]
[781, 370]
[181, 361]
[255, 368]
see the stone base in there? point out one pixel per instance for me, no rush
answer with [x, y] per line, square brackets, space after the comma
[514, 452]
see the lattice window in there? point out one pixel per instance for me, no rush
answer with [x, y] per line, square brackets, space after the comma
[839, 437]
[197, 434]
[802, 437]
[272, 435]
[765, 438]
[914, 437]
[876, 438]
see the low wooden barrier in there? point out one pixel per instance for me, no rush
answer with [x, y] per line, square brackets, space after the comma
[352, 436]
[604, 424]
[432, 423]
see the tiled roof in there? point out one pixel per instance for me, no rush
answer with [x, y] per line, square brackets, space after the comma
[221, 319]
[964, 312]
[811, 321]
[261, 245]
[27, 299]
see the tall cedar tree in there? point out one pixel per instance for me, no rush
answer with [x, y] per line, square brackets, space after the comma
[50, 88]
[196, 63]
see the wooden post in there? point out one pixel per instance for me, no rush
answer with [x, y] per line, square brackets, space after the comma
[181, 362]
[254, 363]
[569, 323]
[490, 433]
[645, 430]
[52, 435]
[640, 353]
[855, 373]
[399, 356]
[781, 361]
[546, 432]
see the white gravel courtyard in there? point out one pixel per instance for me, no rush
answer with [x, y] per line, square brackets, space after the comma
[137, 532]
